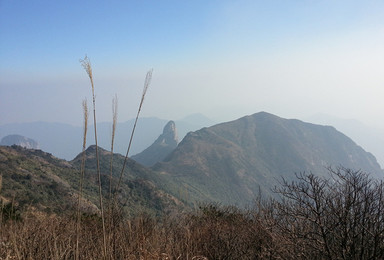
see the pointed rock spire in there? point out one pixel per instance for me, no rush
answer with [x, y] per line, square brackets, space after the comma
[161, 148]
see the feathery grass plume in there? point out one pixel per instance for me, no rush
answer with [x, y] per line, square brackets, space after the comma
[82, 171]
[114, 117]
[86, 63]
[147, 82]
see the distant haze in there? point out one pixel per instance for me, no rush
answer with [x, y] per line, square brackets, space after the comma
[224, 59]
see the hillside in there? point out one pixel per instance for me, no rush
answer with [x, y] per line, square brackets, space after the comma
[33, 178]
[231, 162]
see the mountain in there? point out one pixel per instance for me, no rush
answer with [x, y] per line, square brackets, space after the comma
[19, 140]
[231, 162]
[33, 178]
[161, 148]
[65, 141]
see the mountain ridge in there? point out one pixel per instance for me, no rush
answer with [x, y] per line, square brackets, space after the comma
[229, 163]
[65, 140]
[34, 178]
[232, 160]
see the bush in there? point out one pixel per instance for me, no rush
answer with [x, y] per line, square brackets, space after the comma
[9, 211]
[339, 217]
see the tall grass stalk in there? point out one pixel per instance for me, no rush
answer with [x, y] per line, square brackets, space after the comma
[147, 82]
[114, 117]
[1, 206]
[88, 68]
[1, 203]
[82, 171]
[110, 215]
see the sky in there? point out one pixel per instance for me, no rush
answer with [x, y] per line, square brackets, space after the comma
[222, 58]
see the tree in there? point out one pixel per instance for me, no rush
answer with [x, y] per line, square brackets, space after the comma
[339, 217]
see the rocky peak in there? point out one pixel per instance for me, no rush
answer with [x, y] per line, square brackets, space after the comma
[20, 141]
[161, 148]
[169, 135]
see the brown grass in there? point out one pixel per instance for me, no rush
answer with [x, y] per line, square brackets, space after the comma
[211, 233]
[114, 122]
[82, 172]
[114, 211]
[349, 225]
[86, 63]
[147, 82]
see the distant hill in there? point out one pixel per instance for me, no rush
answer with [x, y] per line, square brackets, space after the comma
[62, 140]
[231, 162]
[161, 148]
[65, 141]
[19, 140]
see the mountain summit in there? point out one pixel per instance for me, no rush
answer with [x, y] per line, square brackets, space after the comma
[161, 148]
[231, 162]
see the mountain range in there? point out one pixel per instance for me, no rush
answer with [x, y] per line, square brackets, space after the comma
[65, 141]
[229, 163]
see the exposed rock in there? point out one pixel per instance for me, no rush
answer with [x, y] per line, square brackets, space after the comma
[20, 141]
[161, 148]
[169, 136]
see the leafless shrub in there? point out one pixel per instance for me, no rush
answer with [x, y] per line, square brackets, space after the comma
[336, 218]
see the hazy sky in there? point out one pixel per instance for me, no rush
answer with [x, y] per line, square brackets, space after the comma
[224, 59]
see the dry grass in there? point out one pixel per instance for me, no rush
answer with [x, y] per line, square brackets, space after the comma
[86, 63]
[114, 210]
[147, 82]
[82, 172]
[351, 226]
[1, 201]
[210, 233]
[114, 122]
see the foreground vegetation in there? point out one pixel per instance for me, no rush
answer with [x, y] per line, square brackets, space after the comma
[338, 217]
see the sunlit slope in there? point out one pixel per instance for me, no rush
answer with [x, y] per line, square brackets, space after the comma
[232, 162]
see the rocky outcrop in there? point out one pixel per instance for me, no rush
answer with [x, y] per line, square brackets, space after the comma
[161, 148]
[20, 141]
